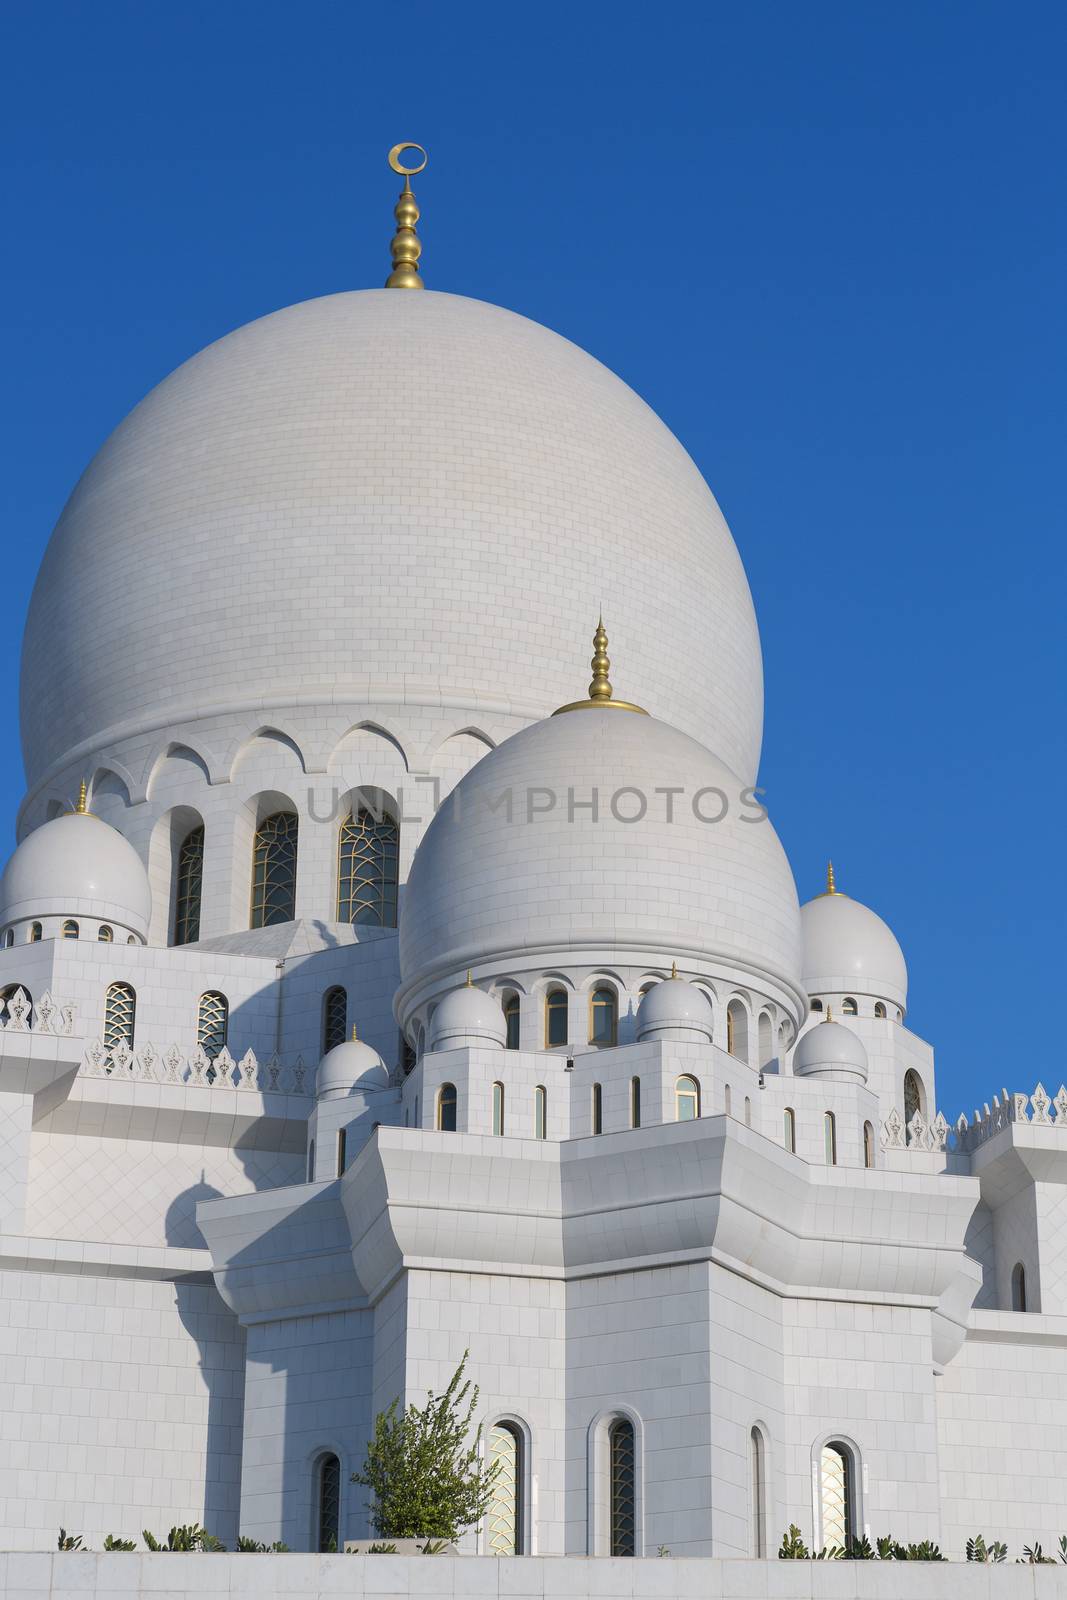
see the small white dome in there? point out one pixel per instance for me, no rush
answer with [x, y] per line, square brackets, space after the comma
[848, 949]
[829, 1050]
[79, 867]
[350, 1068]
[467, 1016]
[674, 1009]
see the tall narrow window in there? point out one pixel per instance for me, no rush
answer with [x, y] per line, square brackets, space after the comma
[1018, 1287]
[829, 1125]
[498, 1108]
[328, 1476]
[120, 1009]
[879, 1008]
[635, 1102]
[622, 1510]
[849, 1008]
[540, 1112]
[504, 1517]
[686, 1099]
[69, 930]
[603, 1016]
[407, 1056]
[311, 1161]
[212, 1023]
[341, 1142]
[188, 884]
[104, 934]
[274, 870]
[9, 938]
[914, 1099]
[36, 932]
[726, 1101]
[368, 865]
[598, 1109]
[837, 1492]
[758, 1465]
[868, 1144]
[334, 1017]
[790, 1130]
[737, 1030]
[556, 1002]
[748, 1112]
[511, 1022]
[766, 1038]
[446, 1108]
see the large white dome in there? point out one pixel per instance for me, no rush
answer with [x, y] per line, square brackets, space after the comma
[551, 885]
[849, 950]
[76, 866]
[385, 496]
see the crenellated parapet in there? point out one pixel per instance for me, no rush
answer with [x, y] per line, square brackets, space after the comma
[197, 1070]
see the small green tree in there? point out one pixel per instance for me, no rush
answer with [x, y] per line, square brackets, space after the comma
[426, 1480]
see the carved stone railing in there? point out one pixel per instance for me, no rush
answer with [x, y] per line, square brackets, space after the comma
[1038, 1109]
[197, 1071]
[20, 1014]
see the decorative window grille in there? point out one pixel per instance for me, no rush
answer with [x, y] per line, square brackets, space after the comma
[504, 1518]
[623, 1497]
[274, 870]
[329, 1495]
[188, 887]
[367, 870]
[334, 1018]
[120, 1009]
[212, 1023]
[836, 1491]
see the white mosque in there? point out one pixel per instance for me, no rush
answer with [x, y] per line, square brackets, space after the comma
[373, 991]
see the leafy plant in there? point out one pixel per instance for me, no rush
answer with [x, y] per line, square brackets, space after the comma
[68, 1541]
[926, 1551]
[381, 1550]
[861, 1550]
[978, 1550]
[1063, 1547]
[1033, 1556]
[664, 1550]
[434, 1547]
[253, 1546]
[190, 1536]
[426, 1479]
[793, 1547]
[113, 1543]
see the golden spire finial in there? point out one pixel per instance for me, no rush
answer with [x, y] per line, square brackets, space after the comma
[829, 1017]
[406, 245]
[82, 808]
[470, 980]
[600, 690]
[831, 888]
[674, 969]
[355, 1033]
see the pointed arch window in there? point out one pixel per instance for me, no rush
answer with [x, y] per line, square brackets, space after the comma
[914, 1098]
[212, 1023]
[556, 1004]
[368, 867]
[328, 1497]
[274, 870]
[334, 1017]
[120, 1011]
[540, 1112]
[446, 1109]
[603, 1016]
[504, 1518]
[686, 1099]
[511, 1022]
[622, 1468]
[188, 884]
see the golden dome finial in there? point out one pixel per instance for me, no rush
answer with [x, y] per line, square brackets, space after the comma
[82, 808]
[831, 887]
[829, 1017]
[600, 690]
[406, 245]
[470, 980]
[674, 969]
[355, 1033]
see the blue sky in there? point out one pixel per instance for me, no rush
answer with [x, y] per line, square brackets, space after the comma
[826, 242]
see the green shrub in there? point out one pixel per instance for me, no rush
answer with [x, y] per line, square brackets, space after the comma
[114, 1543]
[382, 1550]
[978, 1550]
[68, 1541]
[189, 1536]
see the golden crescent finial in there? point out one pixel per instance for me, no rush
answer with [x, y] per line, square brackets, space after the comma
[406, 245]
[394, 159]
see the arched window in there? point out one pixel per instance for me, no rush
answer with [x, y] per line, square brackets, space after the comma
[368, 865]
[511, 1022]
[766, 1038]
[69, 930]
[603, 1016]
[829, 1128]
[816, 1005]
[274, 870]
[120, 1009]
[737, 1030]
[837, 1495]
[131, 939]
[686, 1099]
[900, 1015]
[311, 1161]
[879, 1008]
[407, 1056]
[334, 1017]
[498, 1108]
[504, 1520]
[556, 1003]
[748, 1112]
[36, 932]
[791, 1130]
[598, 1109]
[341, 1143]
[622, 1506]
[758, 1471]
[446, 1108]
[849, 1007]
[540, 1112]
[635, 1102]
[105, 934]
[868, 1144]
[9, 938]
[1018, 1287]
[328, 1498]
[726, 1100]
[212, 1023]
[188, 884]
[914, 1099]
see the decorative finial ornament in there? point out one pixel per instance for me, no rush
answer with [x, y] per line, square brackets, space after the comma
[470, 980]
[355, 1033]
[674, 969]
[831, 888]
[406, 245]
[82, 808]
[600, 690]
[829, 1017]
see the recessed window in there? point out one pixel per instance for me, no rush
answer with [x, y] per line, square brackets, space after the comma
[868, 1144]
[1018, 1287]
[36, 932]
[758, 1471]
[816, 1005]
[188, 886]
[737, 1030]
[829, 1124]
[69, 930]
[334, 1017]
[622, 1467]
[849, 1007]
[511, 1022]
[635, 1102]
[790, 1139]
[311, 1161]
[105, 934]
[9, 938]
[837, 1495]
[120, 1009]
[328, 1485]
[212, 1023]
[556, 1003]
[603, 1016]
[498, 1108]
[341, 1142]
[504, 1518]
[407, 1056]
[540, 1112]
[914, 1100]
[368, 869]
[686, 1099]
[598, 1109]
[879, 1008]
[274, 870]
[446, 1108]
